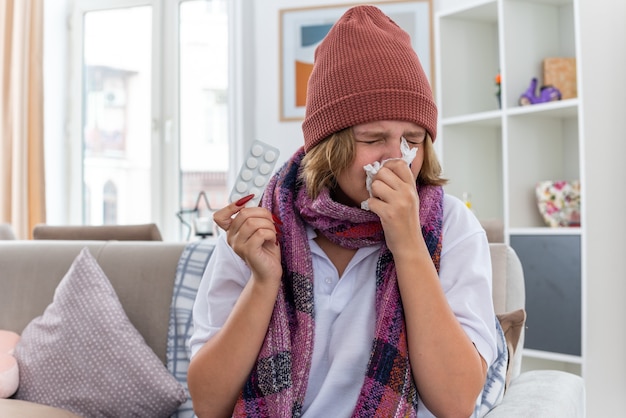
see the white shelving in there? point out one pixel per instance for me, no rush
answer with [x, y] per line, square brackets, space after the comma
[497, 150]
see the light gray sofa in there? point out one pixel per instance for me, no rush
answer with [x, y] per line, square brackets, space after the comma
[143, 274]
[133, 232]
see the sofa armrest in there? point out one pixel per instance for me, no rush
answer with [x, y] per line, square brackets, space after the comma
[543, 393]
[23, 409]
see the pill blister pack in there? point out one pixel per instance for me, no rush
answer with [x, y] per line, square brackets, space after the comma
[257, 168]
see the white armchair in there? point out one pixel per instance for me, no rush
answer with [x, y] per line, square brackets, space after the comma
[536, 393]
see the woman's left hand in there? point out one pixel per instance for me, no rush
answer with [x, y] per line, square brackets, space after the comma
[395, 200]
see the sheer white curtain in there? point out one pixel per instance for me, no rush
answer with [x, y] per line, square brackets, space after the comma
[22, 191]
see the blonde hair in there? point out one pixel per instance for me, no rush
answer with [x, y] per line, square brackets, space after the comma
[323, 163]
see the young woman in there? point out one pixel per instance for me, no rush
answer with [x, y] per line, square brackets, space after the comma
[312, 306]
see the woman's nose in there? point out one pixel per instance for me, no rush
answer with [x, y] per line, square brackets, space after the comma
[393, 149]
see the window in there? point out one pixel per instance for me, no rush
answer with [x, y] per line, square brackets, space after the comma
[116, 97]
[150, 124]
[109, 204]
[203, 101]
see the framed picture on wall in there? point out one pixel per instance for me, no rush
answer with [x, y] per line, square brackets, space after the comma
[302, 29]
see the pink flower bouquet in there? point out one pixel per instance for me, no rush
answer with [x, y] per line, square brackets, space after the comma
[559, 202]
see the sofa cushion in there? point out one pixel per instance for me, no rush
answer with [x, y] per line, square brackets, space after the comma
[139, 232]
[84, 355]
[543, 393]
[9, 372]
[13, 408]
[512, 324]
[9, 375]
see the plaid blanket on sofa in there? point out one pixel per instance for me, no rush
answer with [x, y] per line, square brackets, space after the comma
[189, 272]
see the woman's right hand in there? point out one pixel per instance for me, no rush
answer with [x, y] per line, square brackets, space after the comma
[253, 234]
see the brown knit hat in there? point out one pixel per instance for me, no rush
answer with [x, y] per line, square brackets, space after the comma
[365, 70]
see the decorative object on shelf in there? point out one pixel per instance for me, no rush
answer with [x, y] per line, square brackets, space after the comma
[201, 221]
[498, 80]
[561, 73]
[545, 94]
[559, 202]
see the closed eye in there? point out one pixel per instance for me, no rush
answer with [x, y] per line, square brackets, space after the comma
[371, 141]
[415, 139]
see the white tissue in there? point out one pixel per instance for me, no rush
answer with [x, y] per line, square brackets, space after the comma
[408, 154]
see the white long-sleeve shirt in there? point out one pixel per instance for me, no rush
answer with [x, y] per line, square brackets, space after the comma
[345, 309]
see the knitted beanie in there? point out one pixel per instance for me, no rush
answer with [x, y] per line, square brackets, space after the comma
[365, 70]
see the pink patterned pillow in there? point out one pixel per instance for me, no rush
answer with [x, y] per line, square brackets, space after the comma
[84, 355]
[9, 371]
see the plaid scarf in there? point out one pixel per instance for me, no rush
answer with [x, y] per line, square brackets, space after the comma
[277, 384]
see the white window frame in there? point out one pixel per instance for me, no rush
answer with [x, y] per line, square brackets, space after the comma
[165, 109]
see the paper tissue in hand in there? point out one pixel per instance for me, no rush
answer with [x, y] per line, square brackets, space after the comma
[408, 154]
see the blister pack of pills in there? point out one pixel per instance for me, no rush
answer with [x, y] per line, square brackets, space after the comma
[257, 168]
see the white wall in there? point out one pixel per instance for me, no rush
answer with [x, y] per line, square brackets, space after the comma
[603, 62]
